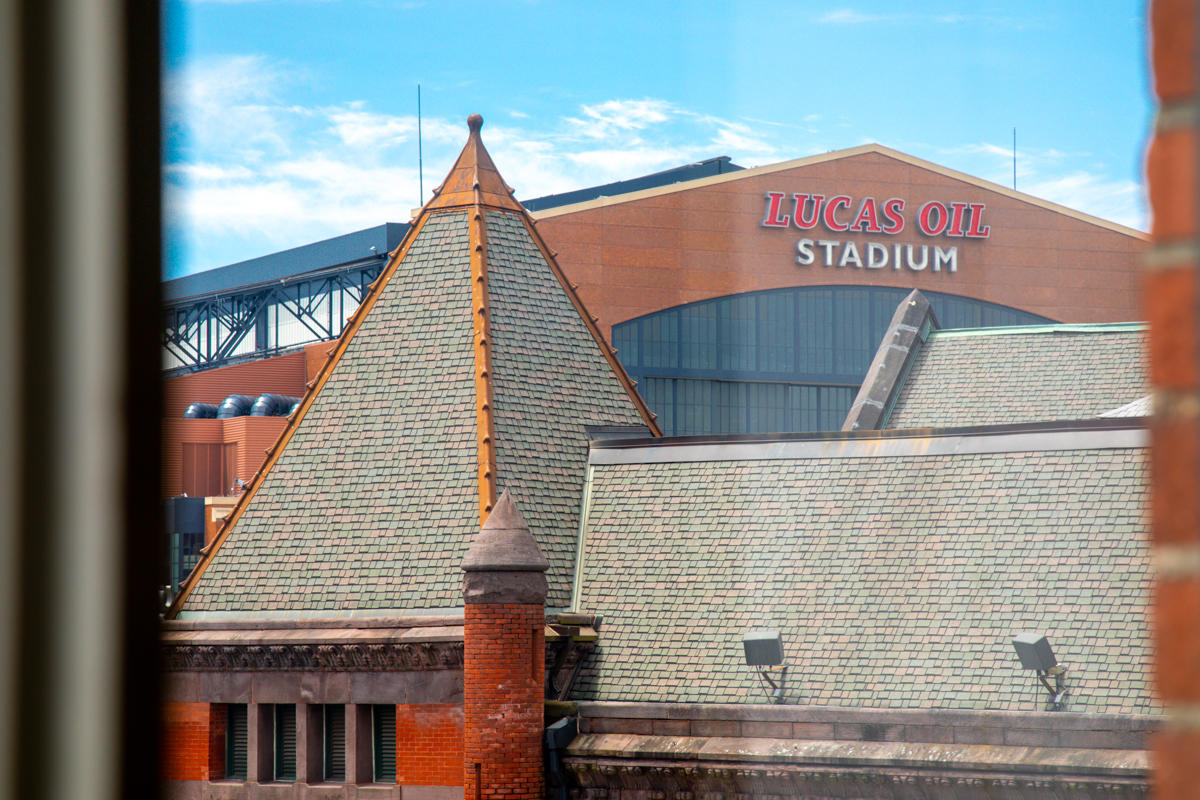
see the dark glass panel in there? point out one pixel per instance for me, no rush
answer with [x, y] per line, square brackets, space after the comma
[736, 345]
[383, 743]
[285, 742]
[236, 741]
[335, 743]
[698, 336]
[625, 340]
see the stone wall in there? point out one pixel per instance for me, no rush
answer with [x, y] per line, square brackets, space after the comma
[638, 751]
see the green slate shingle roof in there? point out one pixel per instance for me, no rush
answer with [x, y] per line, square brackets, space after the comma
[375, 499]
[1000, 376]
[550, 380]
[896, 582]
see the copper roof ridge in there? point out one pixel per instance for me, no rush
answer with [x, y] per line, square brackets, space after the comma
[483, 191]
[335, 353]
[474, 179]
[481, 336]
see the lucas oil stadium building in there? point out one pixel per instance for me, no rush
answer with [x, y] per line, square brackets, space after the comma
[741, 301]
[891, 545]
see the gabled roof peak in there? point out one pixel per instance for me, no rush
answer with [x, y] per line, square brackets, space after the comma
[474, 179]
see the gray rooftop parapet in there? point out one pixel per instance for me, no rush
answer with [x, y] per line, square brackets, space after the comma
[910, 326]
[504, 563]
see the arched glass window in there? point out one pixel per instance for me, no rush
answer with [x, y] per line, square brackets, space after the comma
[773, 361]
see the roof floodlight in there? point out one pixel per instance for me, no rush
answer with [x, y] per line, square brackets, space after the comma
[1033, 649]
[764, 649]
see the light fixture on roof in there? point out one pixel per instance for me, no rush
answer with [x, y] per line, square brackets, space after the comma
[764, 649]
[1034, 651]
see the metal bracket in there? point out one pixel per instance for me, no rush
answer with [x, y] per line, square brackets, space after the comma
[776, 693]
[1058, 692]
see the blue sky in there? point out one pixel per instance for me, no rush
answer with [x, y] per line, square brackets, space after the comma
[289, 121]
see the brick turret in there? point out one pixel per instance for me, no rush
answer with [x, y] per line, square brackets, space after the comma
[504, 592]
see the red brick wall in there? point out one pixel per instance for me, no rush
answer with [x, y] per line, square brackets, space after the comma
[632, 257]
[429, 744]
[193, 741]
[503, 674]
[1171, 307]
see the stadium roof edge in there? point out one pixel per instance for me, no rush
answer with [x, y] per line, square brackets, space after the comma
[350, 247]
[368, 243]
[834, 155]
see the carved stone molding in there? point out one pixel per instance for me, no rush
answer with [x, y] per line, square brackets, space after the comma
[359, 657]
[612, 779]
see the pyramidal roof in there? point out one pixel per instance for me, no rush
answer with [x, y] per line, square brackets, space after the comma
[470, 367]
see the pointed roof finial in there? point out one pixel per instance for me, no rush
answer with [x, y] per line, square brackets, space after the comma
[474, 179]
[505, 543]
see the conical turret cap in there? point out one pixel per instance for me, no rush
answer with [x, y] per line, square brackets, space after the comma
[504, 543]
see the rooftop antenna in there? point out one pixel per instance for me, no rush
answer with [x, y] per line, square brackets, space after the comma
[1014, 158]
[420, 155]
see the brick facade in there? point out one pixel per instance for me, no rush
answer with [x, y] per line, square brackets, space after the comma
[642, 252]
[429, 744]
[1171, 308]
[503, 679]
[193, 741]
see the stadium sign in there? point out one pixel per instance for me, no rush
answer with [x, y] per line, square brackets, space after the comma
[841, 214]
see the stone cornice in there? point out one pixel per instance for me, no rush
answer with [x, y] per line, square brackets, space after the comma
[618, 779]
[311, 657]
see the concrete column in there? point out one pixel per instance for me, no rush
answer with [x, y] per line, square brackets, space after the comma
[504, 593]
[358, 744]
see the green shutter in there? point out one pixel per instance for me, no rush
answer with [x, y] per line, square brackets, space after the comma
[236, 741]
[335, 743]
[285, 742]
[383, 740]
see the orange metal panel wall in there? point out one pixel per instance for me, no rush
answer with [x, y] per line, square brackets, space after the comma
[198, 431]
[245, 439]
[251, 436]
[283, 374]
[631, 258]
[315, 356]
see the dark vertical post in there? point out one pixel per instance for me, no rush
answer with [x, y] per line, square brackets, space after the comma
[81, 133]
[420, 153]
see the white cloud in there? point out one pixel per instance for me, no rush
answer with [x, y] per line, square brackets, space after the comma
[738, 138]
[253, 166]
[848, 16]
[614, 116]
[1068, 178]
[232, 102]
[357, 128]
[1116, 200]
